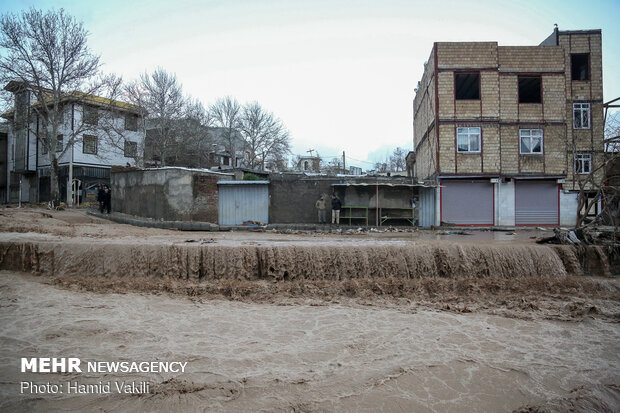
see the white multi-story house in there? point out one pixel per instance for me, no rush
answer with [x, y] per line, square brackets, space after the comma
[94, 134]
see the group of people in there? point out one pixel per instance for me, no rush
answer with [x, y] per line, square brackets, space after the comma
[104, 197]
[336, 207]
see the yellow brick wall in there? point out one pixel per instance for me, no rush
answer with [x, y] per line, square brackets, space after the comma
[555, 149]
[554, 97]
[466, 55]
[490, 148]
[579, 140]
[446, 149]
[530, 58]
[509, 142]
[509, 111]
[424, 102]
[499, 102]
[530, 112]
[425, 158]
[445, 92]
[489, 83]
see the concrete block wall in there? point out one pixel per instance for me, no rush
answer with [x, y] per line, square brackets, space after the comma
[169, 194]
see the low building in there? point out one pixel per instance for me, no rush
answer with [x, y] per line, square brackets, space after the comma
[508, 132]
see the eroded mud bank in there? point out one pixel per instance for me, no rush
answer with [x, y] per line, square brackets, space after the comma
[286, 262]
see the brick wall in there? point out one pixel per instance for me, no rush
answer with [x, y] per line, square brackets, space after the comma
[500, 115]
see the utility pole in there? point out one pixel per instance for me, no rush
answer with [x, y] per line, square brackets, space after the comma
[344, 167]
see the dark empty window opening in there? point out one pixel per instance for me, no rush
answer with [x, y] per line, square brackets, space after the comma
[530, 89]
[580, 66]
[467, 86]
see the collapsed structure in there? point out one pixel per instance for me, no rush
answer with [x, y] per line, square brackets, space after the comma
[508, 131]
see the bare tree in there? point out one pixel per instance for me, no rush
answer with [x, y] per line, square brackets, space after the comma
[599, 181]
[397, 160]
[266, 138]
[161, 94]
[195, 139]
[45, 53]
[226, 114]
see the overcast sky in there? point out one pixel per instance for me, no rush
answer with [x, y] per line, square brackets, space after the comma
[340, 74]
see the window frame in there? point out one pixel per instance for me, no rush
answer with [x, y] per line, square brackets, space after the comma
[60, 139]
[540, 89]
[542, 141]
[133, 118]
[581, 158]
[583, 107]
[572, 68]
[477, 73]
[96, 144]
[460, 131]
[126, 147]
[90, 115]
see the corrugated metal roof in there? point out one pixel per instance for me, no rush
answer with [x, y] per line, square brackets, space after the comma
[243, 182]
[386, 184]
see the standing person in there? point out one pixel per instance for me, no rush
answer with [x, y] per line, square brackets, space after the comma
[100, 197]
[336, 206]
[107, 198]
[320, 206]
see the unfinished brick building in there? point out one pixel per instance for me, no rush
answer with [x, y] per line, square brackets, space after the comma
[506, 131]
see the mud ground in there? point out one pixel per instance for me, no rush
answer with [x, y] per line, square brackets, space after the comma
[544, 343]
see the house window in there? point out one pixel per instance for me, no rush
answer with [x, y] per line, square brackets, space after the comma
[583, 163]
[580, 66]
[531, 141]
[467, 86]
[43, 147]
[581, 116]
[468, 140]
[59, 143]
[91, 115]
[131, 122]
[130, 150]
[530, 90]
[89, 144]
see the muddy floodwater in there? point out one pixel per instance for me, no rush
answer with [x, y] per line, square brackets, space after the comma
[479, 323]
[265, 357]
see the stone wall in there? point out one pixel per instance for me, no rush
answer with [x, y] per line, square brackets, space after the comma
[170, 194]
[292, 197]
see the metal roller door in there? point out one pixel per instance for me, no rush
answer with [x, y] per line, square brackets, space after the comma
[537, 203]
[241, 201]
[467, 202]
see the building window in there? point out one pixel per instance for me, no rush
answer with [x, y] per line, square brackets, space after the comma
[583, 163]
[89, 144]
[91, 115]
[467, 86]
[59, 143]
[131, 122]
[581, 116]
[130, 150]
[531, 141]
[468, 140]
[580, 66]
[43, 147]
[530, 90]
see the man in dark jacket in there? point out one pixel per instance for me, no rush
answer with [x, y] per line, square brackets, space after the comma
[336, 206]
[107, 199]
[100, 197]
